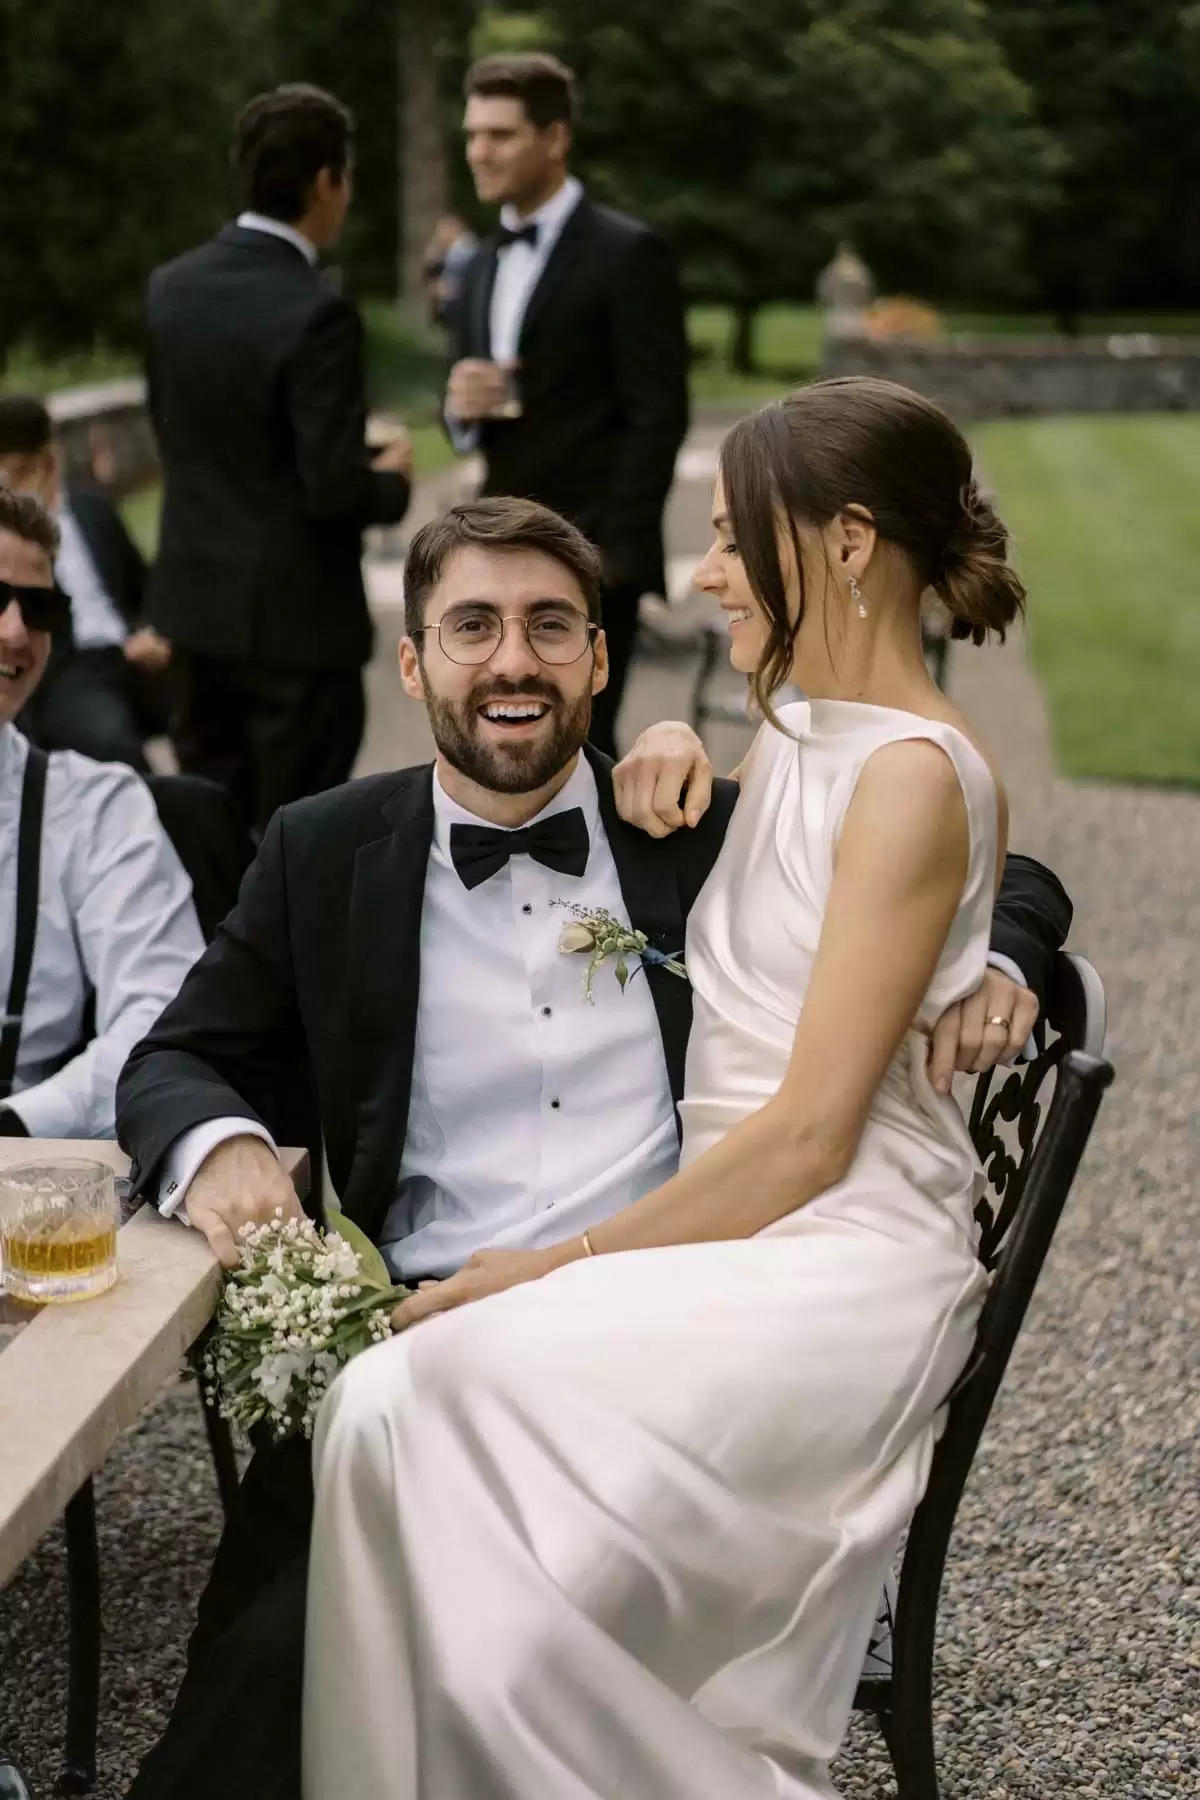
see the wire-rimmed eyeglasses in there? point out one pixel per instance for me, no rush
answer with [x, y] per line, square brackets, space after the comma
[473, 634]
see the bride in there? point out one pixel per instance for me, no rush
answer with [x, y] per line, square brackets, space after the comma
[618, 1532]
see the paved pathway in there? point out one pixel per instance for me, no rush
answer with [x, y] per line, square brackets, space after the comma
[1070, 1652]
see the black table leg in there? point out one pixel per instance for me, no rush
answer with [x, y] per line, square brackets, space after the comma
[83, 1681]
[220, 1442]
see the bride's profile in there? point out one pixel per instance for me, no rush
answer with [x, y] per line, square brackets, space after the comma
[613, 1520]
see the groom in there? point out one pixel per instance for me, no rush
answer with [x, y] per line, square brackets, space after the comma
[400, 933]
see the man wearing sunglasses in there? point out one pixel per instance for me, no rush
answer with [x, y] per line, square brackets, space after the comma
[403, 931]
[97, 927]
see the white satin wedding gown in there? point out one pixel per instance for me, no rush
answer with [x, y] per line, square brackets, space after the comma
[619, 1534]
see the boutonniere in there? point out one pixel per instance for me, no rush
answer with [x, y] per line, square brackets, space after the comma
[595, 934]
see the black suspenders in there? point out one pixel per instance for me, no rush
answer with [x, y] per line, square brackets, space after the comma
[29, 859]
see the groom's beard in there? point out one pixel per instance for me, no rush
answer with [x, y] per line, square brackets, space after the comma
[519, 767]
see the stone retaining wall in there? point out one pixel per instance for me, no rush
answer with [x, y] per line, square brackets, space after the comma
[984, 378]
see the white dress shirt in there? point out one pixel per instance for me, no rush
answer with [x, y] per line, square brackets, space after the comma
[518, 270]
[96, 621]
[115, 915]
[519, 266]
[532, 1115]
[252, 221]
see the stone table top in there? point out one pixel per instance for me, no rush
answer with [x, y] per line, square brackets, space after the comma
[72, 1377]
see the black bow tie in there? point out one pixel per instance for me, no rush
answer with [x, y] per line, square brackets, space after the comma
[524, 234]
[561, 842]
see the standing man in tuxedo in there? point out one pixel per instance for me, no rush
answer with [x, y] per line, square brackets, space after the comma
[403, 932]
[570, 348]
[103, 692]
[257, 395]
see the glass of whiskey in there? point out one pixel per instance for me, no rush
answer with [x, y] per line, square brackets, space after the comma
[58, 1230]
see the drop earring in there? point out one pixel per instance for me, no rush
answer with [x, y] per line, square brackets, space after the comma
[856, 596]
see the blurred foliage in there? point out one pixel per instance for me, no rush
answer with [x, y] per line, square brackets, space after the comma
[113, 140]
[1117, 84]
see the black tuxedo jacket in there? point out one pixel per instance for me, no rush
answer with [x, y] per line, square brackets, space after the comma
[603, 382]
[256, 386]
[314, 975]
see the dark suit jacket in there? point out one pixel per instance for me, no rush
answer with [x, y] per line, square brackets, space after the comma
[316, 972]
[603, 383]
[255, 371]
[119, 563]
[121, 568]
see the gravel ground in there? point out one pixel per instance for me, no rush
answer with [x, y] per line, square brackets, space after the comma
[1069, 1659]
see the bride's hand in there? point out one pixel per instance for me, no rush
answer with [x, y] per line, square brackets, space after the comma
[487, 1272]
[667, 766]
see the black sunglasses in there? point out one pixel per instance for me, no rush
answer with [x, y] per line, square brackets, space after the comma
[42, 608]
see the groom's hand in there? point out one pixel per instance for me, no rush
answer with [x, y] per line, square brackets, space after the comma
[239, 1183]
[665, 781]
[969, 1036]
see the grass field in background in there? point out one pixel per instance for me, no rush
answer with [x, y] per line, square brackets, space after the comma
[1106, 521]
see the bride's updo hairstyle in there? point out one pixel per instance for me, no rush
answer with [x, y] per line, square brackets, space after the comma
[859, 441]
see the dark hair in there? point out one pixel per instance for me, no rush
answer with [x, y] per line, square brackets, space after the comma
[496, 524]
[25, 427]
[858, 441]
[543, 85]
[27, 517]
[281, 142]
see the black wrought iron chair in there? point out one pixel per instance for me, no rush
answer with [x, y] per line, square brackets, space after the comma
[1030, 1126]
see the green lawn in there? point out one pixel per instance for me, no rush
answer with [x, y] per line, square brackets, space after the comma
[1105, 512]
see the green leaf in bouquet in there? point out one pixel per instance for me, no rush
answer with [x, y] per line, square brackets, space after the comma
[375, 1271]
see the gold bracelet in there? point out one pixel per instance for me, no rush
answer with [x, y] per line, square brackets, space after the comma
[586, 1241]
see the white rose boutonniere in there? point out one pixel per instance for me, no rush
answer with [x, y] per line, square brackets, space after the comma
[595, 934]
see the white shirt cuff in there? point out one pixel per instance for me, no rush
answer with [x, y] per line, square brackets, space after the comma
[464, 437]
[1008, 967]
[183, 1159]
[1014, 971]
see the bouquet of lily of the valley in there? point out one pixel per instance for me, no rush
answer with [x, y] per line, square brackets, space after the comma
[301, 1303]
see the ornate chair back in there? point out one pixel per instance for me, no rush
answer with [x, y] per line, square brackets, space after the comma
[1030, 1126]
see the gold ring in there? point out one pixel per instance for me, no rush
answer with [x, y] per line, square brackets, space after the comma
[1002, 1023]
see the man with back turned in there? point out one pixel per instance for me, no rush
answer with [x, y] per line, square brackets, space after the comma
[257, 395]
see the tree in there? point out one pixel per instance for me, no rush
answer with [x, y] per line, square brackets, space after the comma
[423, 179]
[758, 138]
[1117, 82]
[114, 142]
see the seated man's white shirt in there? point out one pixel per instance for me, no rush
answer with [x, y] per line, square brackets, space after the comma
[532, 1115]
[96, 621]
[115, 916]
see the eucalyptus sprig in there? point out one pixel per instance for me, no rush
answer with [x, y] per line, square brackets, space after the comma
[595, 933]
